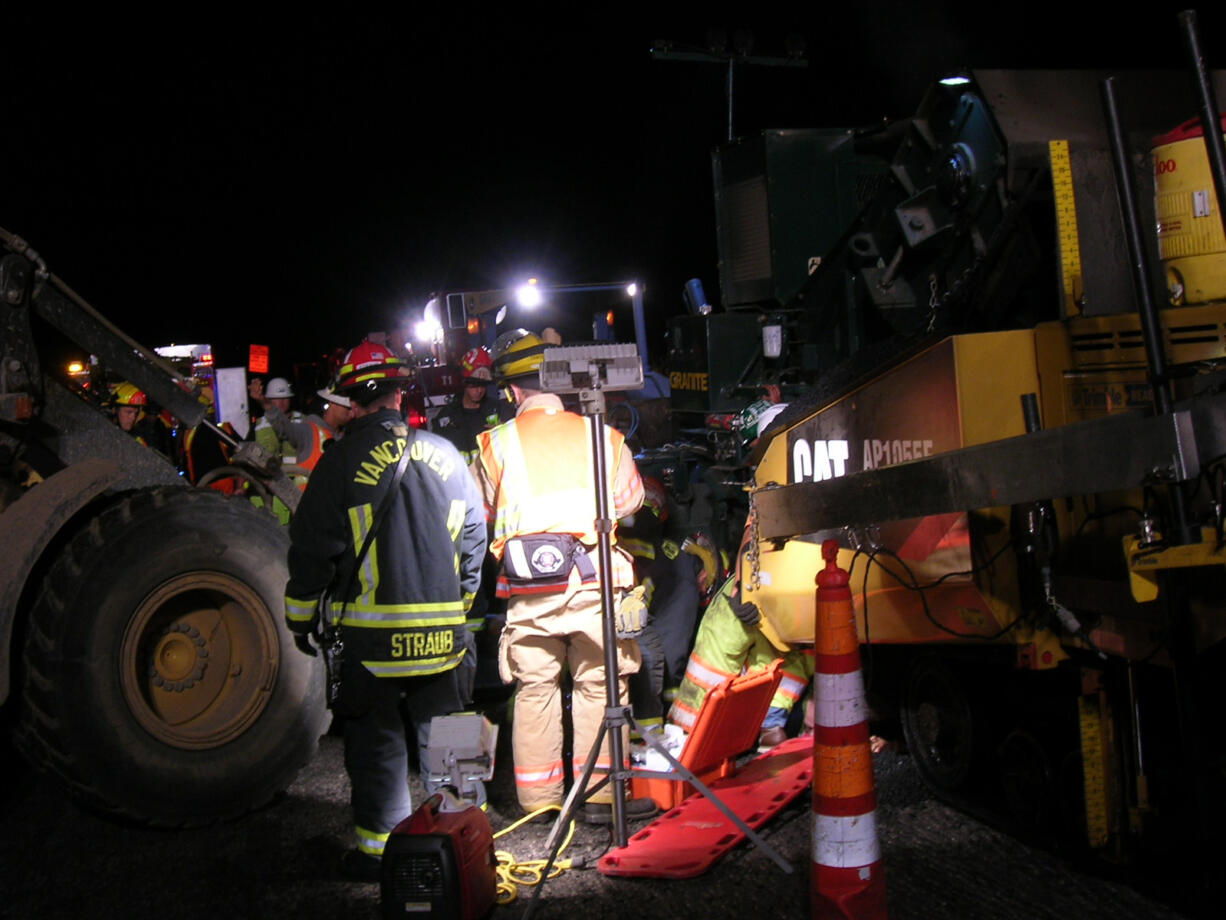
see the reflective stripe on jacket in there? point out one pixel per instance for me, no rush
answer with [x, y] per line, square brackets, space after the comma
[404, 615]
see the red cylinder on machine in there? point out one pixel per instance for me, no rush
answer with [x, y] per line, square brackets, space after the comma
[848, 879]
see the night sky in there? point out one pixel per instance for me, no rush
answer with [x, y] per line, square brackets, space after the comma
[212, 174]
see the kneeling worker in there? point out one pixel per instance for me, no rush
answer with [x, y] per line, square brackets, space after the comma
[407, 651]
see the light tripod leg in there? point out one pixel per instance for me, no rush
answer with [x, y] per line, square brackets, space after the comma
[705, 791]
[615, 717]
[573, 800]
[575, 796]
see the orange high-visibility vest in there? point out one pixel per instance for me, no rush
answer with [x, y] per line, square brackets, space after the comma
[322, 437]
[542, 462]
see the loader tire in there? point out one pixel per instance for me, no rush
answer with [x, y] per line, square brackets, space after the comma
[937, 723]
[160, 682]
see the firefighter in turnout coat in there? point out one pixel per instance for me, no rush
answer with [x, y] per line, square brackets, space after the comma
[407, 651]
[536, 476]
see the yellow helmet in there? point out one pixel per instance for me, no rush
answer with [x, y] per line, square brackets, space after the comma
[128, 394]
[518, 355]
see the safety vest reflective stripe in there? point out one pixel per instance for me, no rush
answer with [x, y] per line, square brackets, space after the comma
[298, 611]
[845, 842]
[538, 774]
[682, 715]
[791, 687]
[369, 841]
[417, 668]
[705, 675]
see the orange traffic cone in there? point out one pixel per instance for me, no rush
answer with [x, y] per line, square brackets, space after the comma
[848, 880]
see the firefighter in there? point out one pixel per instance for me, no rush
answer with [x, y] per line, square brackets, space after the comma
[407, 653]
[204, 450]
[733, 637]
[672, 578]
[536, 476]
[460, 422]
[463, 419]
[129, 402]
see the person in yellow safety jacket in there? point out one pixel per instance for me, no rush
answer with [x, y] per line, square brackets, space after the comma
[311, 436]
[536, 475]
[407, 650]
[733, 639]
[279, 393]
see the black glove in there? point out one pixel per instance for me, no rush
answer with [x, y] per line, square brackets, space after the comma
[303, 641]
[746, 611]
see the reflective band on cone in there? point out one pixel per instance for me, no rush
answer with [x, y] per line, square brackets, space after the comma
[848, 880]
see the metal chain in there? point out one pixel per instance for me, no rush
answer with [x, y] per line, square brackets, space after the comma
[933, 303]
[752, 552]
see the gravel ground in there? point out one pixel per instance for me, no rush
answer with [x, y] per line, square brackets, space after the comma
[59, 861]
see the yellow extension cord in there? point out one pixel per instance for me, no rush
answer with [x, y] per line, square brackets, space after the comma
[512, 873]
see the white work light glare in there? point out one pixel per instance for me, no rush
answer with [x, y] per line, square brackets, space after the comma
[528, 295]
[428, 331]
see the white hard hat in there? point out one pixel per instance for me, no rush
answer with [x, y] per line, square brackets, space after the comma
[278, 388]
[332, 396]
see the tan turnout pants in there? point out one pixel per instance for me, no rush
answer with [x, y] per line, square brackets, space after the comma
[543, 634]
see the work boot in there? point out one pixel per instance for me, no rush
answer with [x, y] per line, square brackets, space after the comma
[771, 738]
[361, 867]
[636, 810]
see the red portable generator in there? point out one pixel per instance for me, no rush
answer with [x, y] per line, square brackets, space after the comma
[439, 862]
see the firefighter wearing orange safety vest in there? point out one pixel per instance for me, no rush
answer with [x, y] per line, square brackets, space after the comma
[536, 475]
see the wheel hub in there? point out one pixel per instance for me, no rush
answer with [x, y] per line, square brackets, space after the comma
[199, 660]
[179, 659]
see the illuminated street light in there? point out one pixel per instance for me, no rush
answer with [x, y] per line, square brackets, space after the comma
[631, 289]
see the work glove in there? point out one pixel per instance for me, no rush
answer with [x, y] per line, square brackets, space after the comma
[303, 641]
[631, 613]
[746, 611]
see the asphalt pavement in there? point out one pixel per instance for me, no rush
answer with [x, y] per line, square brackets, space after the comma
[59, 861]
